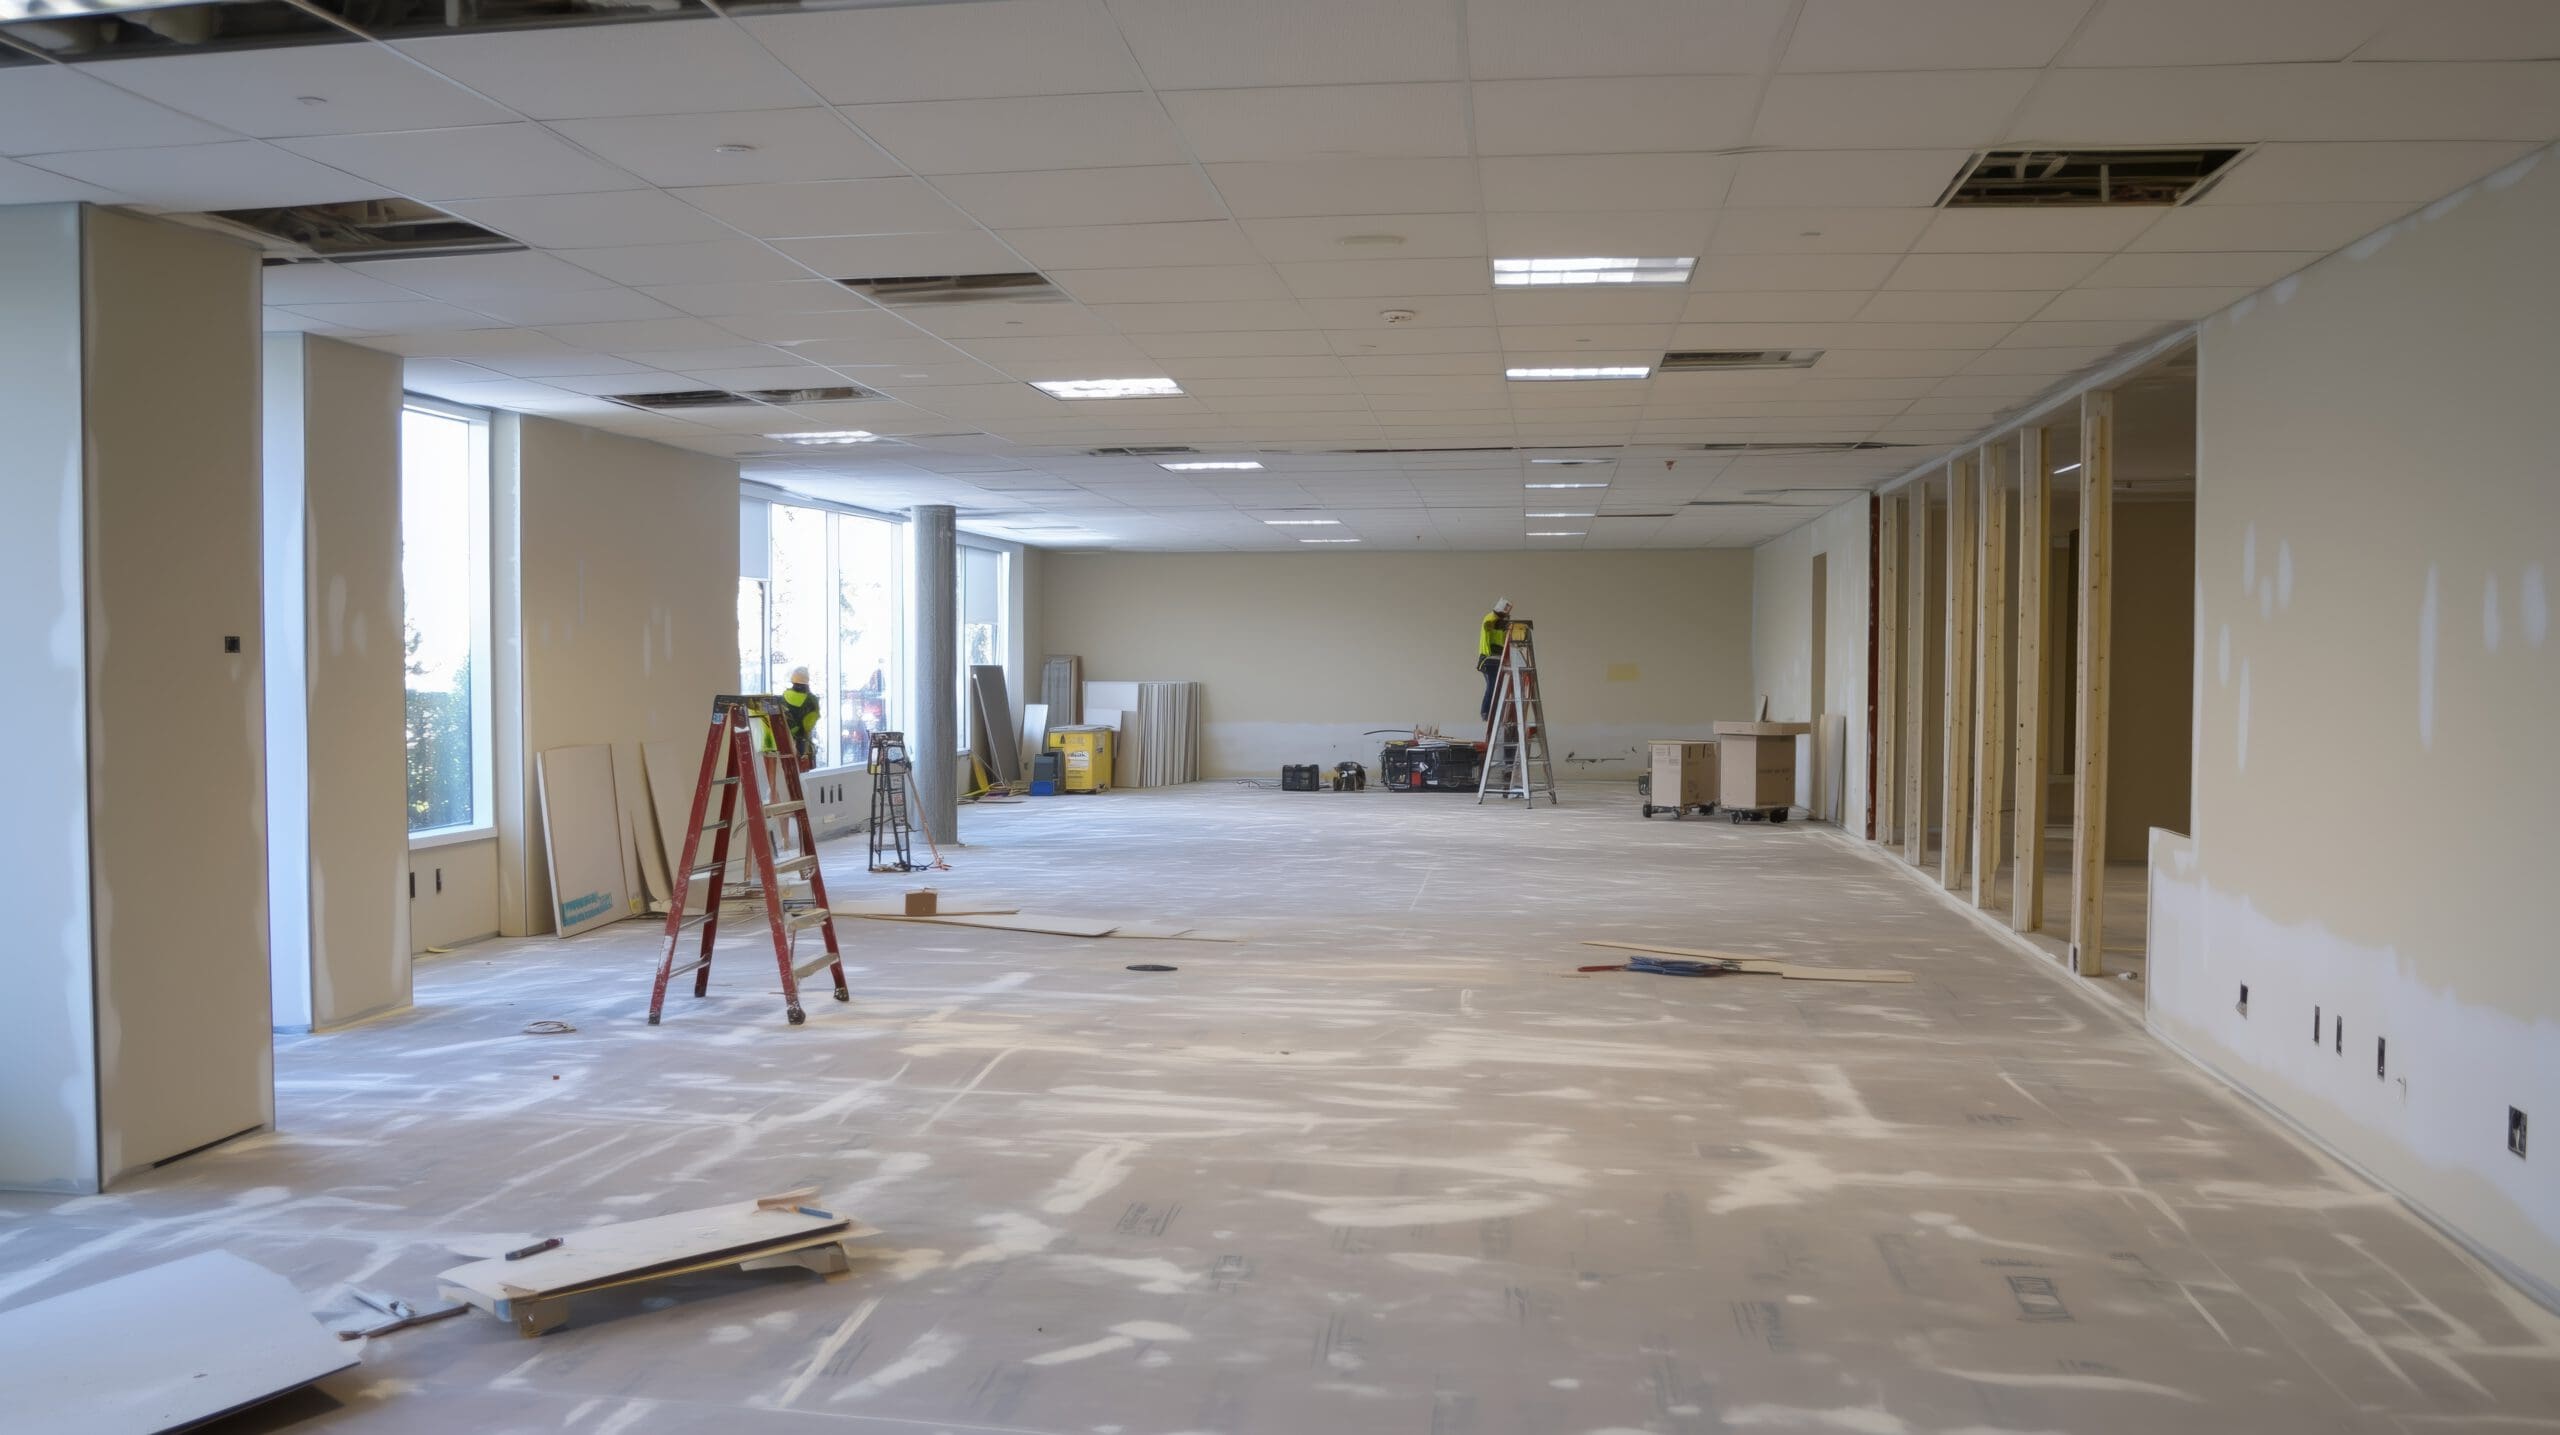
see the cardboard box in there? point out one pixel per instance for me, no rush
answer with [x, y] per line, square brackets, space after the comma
[923, 902]
[1684, 774]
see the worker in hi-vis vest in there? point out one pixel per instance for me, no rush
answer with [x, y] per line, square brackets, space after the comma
[1489, 652]
[803, 719]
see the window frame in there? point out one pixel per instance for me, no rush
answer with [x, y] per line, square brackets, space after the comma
[483, 824]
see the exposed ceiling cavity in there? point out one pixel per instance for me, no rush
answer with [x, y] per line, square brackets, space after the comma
[2083, 178]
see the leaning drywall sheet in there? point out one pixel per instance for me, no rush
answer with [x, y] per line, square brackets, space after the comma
[165, 1348]
[670, 769]
[582, 837]
[594, 1254]
[996, 739]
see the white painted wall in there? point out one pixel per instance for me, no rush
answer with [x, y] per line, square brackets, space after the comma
[628, 604]
[2378, 531]
[1299, 653]
[1782, 655]
[177, 792]
[337, 881]
[48, 1026]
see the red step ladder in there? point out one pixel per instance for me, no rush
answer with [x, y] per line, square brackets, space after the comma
[733, 720]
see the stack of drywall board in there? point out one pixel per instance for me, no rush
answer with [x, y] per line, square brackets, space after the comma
[1061, 688]
[1159, 730]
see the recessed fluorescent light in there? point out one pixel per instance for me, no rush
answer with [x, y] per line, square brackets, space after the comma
[831, 436]
[1328, 540]
[1570, 462]
[2066, 468]
[1513, 272]
[1108, 388]
[1304, 522]
[1564, 485]
[1607, 371]
[1563, 515]
[1556, 533]
[1237, 466]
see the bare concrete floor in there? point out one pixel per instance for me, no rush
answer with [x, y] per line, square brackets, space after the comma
[1391, 1166]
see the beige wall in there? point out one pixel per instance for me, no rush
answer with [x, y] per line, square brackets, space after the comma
[1782, 655]
[2151, 653]
[628, 600]
[457, 894]
[1302, 652]
[2378, 528]
[176, 732]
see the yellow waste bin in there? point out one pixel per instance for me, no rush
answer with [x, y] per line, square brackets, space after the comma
[1084, 754]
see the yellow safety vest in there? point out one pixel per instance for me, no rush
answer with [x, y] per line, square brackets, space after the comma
[1489, 642]
[804, 718]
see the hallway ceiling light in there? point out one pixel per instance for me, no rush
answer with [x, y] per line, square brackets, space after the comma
[1304, 522]
[1213, 466]
[1557, 533]
[1158, 388]
[827, 439]
[1605, 371]
[1513, 273]
[1570, 462]
[1328, 540]
[1564, 485]
[1560, 515]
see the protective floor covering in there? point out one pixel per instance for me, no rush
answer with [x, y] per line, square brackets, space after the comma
[1386, 1167]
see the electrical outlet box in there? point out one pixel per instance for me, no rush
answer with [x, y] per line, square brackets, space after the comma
[2244, 998]
[2515, 1132]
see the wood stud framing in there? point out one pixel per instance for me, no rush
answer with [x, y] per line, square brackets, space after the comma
[1915, 674]
[1955, 839]
[2097, 571]
[1888, 635]
[2035, 507]
[1990, 674]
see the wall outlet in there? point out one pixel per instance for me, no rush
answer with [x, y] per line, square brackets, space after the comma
[2338, 1030]
[2315, 1026]
[2515, 1131]
[2244, 999]
[2380, 1047]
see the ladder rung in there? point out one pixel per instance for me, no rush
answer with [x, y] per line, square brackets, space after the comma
[802, 921]
[724, 782]
[797, 866]
[693, 966]
[826, 959]
[785, 809]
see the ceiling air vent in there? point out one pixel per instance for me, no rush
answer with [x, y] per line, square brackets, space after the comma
[842, 393]
[914, 291]
[2042, 178]
[1699, 360]
[681, 399]
[1159, 450]
[355, 230]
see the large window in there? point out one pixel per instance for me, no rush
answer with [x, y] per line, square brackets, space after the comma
[981, 609]
[444, 595]
[833, 604]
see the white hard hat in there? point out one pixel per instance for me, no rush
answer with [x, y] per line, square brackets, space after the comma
[1502, 605]
[800, 674]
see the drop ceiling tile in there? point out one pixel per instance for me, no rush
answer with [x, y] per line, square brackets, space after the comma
[1907, 306]
[1241, 345]
[1322, 122]
[1004, 320]
[1171, 284]
[1817, 231]
[331, 284]
[953, 52]
[1370, 278]
[781, 376]
[1993, 271]
[1591, 304]
[2246, 269]
[1274, 369]
[385, 318]
[1522, 39]
[1114, 246]
[862, 355]
[25, 184]
[2080, 333]
[466, 276]
[2323, 102]
[1930, 34]
[780, 146]
[783, 296]
[1672, 235]
[1904, 178]
[641, 336]
[2469, 30]
[1628, 116]
[1526, 338]
[1793, 271]
[1851, 111]
[1429, 311]
[828, 207]
[584, 221]
[1412, 340]
[1748, 306]
[1050, 199]
[1347, 186]
[569, 306]
[557, 361]
[54, 108]
[584, 71]
[2027, 231]
[1226, 44]
[2227, 32]
[2146, 303]
[1605, 181]
[303, 90]
[243, 174]
[2345, 173]
[972, 251]
[2235, 227]
[1003, 135]
[1408, 236]
[1205, 317]
[2044, 363]
[475, 162]
[722, 261]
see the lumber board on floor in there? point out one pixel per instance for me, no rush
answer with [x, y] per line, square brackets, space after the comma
[164, 1348]
[1766, 966]
[1015, 922]
[876, 910]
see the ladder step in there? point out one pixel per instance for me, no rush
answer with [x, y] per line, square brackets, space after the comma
[826, 959]
[802, 921]
[693, 966]
[797, 866]
[785, 809]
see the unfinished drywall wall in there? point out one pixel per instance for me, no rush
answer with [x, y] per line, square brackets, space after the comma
[628, 603]
[48, 1027]
[455, 894]
[177, 801]
[1301, 652]
[1782, 642]
[336, 802]
[2151, 659]
[2378, 530]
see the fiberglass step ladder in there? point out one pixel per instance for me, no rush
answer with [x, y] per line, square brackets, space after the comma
[1516, 762]
[743, 805]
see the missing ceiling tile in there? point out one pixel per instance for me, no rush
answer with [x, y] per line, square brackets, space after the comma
[1681, 361]
[2059, 178]
[913, 291]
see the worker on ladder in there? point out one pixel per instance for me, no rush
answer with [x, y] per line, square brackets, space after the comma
[804, 718]
[1489, 640]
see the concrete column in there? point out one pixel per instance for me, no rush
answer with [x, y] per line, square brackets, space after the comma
[134, 863]
[933, 637]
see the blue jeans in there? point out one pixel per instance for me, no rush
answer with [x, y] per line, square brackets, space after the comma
[1492, 670]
